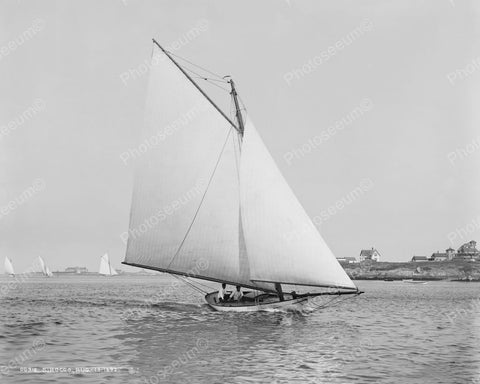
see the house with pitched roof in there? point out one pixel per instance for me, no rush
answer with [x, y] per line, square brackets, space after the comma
[369, 254]
[468, 251]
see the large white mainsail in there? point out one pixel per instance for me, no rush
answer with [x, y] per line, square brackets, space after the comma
[200, 207]
[175, 226]
[9, 267]
[282, 243]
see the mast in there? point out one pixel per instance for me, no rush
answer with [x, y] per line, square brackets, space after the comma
[197, 86]
[238, 112]
[278, 287]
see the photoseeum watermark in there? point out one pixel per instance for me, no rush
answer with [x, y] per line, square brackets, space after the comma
[463, 232]
[161, 214]
[201, 345]
[465, 72]
[464, 152]
[28, 114]
[324, 56]
[37, 186]
[11, 46]
[326, 214]
[16, 362]
[163, 134]
[316, 141]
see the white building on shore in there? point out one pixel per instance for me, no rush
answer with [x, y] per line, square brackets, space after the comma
[369, 254]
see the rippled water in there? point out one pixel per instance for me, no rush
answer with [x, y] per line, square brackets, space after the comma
[394, 333]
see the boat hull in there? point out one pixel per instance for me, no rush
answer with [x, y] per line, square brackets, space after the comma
[410, 281]
[262, 302]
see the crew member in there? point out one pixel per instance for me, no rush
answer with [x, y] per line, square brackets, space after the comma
[236, 295]
[222, 293]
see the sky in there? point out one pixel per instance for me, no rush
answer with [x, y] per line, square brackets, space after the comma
[73, 85]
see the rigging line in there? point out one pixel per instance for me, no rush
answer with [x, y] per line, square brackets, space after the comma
[201, 201]
[218, 81]
[243, 104]
[200, 75]
[198, 66]
[188, 279]
[219, 86]
[207, 79]
[193, 285]
[216, 85]
[320, 306]
[204, 285]
[338, 299]
[241, 101]
[185, 281]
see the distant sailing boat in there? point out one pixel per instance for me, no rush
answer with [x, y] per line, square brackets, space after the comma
[105, 267]
[44, 269]
[9, 267]
[210, 203]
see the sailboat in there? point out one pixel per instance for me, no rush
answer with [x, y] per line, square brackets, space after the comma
[9, 267]
[209, 202]
[44, 268]
[105, 267]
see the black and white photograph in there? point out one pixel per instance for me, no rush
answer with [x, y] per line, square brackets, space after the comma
[219, 191]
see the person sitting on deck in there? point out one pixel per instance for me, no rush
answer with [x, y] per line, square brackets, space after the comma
[222, 293]
[236, 295]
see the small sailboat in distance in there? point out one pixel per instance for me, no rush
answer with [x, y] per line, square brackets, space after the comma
[9, 267]
[44, 269]
[48, 273]
[210, 203]
[105, 266]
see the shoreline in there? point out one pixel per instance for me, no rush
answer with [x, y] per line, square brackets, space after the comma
[459, 271]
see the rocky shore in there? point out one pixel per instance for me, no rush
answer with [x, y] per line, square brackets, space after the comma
[445, 270]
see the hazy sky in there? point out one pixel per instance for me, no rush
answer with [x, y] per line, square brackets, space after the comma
[417, 146]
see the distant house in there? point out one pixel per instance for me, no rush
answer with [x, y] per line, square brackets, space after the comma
[468, 251]
[347, 260]
[369, 254]
[439, 256]
[419, 258]
[76, 270]
[450, 253]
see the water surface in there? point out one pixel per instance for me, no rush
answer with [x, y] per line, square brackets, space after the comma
[152, 329]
